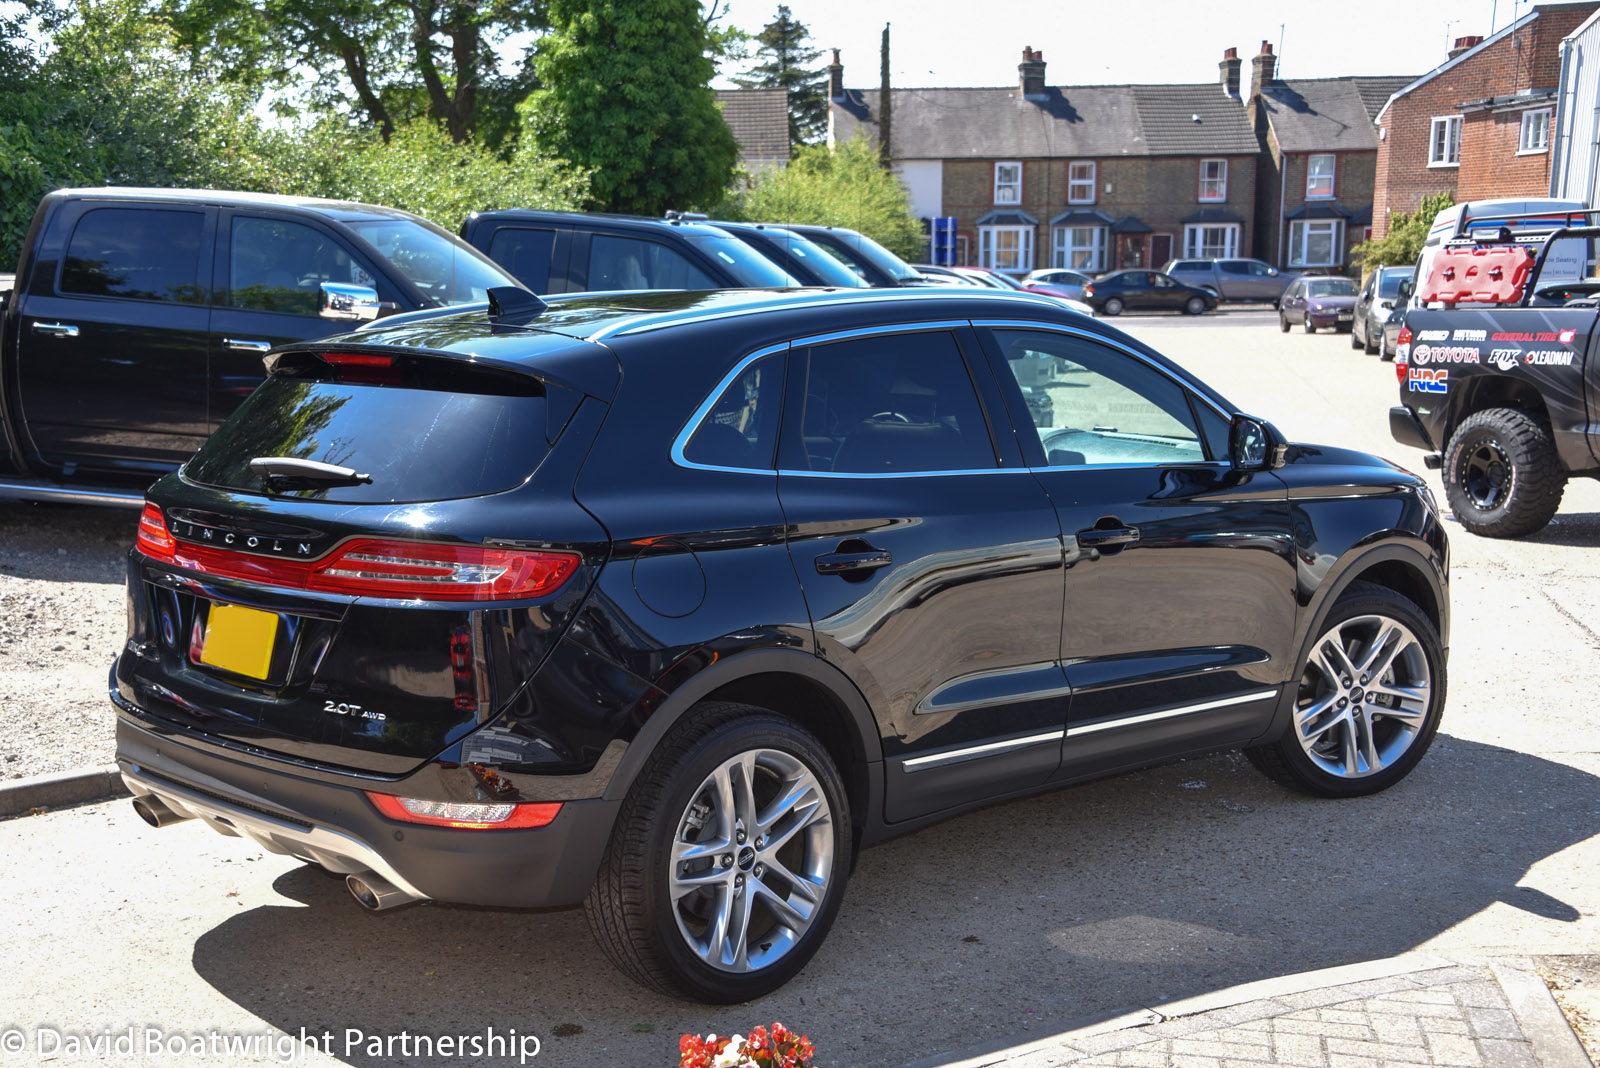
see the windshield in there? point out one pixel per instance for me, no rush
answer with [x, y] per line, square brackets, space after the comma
[1389, 282]
[751, 268]
[1331, 287]
[862, 249]
[826, 267]
[444, 268]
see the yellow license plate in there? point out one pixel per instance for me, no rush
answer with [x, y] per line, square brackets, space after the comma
[239, 640]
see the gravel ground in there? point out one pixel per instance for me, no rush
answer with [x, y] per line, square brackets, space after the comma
[61, 622]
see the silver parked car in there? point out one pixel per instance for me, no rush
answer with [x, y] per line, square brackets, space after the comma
[1373, 309]
[1233, 279]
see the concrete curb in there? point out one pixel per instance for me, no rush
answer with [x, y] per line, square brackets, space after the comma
[55, 790]
[1540, 1018]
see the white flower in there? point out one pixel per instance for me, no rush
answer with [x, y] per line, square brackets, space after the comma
[733, 1056]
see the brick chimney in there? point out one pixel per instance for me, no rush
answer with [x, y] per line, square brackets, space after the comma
[1030, 73]
[1229, 68]
[1262, 69]
[835, 78]
[1463, 44]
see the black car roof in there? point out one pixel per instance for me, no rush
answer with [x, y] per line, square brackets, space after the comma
[592, 218]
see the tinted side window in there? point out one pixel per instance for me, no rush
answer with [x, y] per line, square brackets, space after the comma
[1259, 269]
[741, 428]
[893, 403]
[1094, 405]
[628, 263]
[274, 265]
[1234, 266]
[134, 252]
[526, 254]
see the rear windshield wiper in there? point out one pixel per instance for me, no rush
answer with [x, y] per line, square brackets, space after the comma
[291, 472]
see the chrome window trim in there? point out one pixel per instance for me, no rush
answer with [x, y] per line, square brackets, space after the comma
[681, 442]
[1170, 713]
[1188, 387]
[974, 752]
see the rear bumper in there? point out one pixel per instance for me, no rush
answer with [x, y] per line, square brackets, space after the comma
[336, 827]
[1407, 429]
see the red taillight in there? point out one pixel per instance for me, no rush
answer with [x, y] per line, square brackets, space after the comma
[367, 368]
[465, 815]
[371, 567]
[1402, 354]
[1088, 290]
[441, 572]
[153, 539]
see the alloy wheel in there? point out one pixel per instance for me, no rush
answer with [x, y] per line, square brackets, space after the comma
[1364, 696]
[1486, 474]
[751, 859]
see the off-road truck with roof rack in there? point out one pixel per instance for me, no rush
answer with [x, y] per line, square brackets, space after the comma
[1497, 368]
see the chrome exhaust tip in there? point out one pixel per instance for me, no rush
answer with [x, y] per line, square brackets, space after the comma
[376, 893]
[153, 811]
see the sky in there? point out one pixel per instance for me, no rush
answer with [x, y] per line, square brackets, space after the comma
[940, 43]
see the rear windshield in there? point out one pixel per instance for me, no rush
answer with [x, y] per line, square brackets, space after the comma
[825, 266]
[1330, 287]
[751, 268]
[416, 444]
[446, 269]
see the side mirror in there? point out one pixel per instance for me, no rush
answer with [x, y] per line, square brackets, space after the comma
[1273, 271]
[1255, 444]
[348, 303]
[1385, 303]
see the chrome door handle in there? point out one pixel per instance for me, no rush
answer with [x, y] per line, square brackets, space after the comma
[55, 329]
[240, 345]
[846, 562]
[1105, 538]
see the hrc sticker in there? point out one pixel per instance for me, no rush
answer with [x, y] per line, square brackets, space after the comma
[1430, 380]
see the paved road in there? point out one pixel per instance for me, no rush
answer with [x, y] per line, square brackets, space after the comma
[1021, 920]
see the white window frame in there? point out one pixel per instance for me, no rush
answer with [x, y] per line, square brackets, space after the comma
[1006, 248]
[1008, 191]
[1314, 181]
[1222, 243]
[1450, 156]
[1535, 127]
[1069, 241]
[1299, 239]
[1213, 189]
[1077, 181]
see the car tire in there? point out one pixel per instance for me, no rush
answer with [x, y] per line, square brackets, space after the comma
[1370, 695]
[1195, 306]
[1502, 475]
[1112, 306]
[1353, 342]
[680, 867]
[1283, 322]
[1368, 346]
[1309, 326]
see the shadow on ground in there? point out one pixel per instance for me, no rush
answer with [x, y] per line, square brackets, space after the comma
[1001, 925]
[65, 543]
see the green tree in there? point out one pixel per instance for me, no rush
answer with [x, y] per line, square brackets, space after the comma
[1402, 244]
[387, 60]
[786, 58]
[625, 95]
[837, 186]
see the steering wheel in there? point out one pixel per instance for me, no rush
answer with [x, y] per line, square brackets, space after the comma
[887, 417]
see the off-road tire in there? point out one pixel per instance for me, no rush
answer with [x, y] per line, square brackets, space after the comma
[1535, 479]
[629, 909]
[1286, 761]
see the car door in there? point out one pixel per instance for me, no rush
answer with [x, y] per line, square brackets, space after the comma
[1292, 305]
[535, 255]
[1134, 289]
[930, 560]
[270, 269]
[608, 262]
[1180, 570]
[1166, 293]
[111, 365]
[1362, 323]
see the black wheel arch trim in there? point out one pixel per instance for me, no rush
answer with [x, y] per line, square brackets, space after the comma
[1409, 551]
[867, 779]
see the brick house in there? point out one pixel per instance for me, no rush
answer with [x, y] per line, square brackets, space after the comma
[1092, 177]
[1478, 125]
[1319, 158]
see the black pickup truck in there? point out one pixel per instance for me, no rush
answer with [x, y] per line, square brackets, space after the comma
[1500, 377]
[139, 317]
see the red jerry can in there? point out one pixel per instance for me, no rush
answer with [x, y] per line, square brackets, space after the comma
[1494, 275]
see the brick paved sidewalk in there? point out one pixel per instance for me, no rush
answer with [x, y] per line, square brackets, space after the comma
[1411, 1012]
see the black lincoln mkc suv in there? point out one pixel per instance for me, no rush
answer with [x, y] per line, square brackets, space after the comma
[667, 603]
